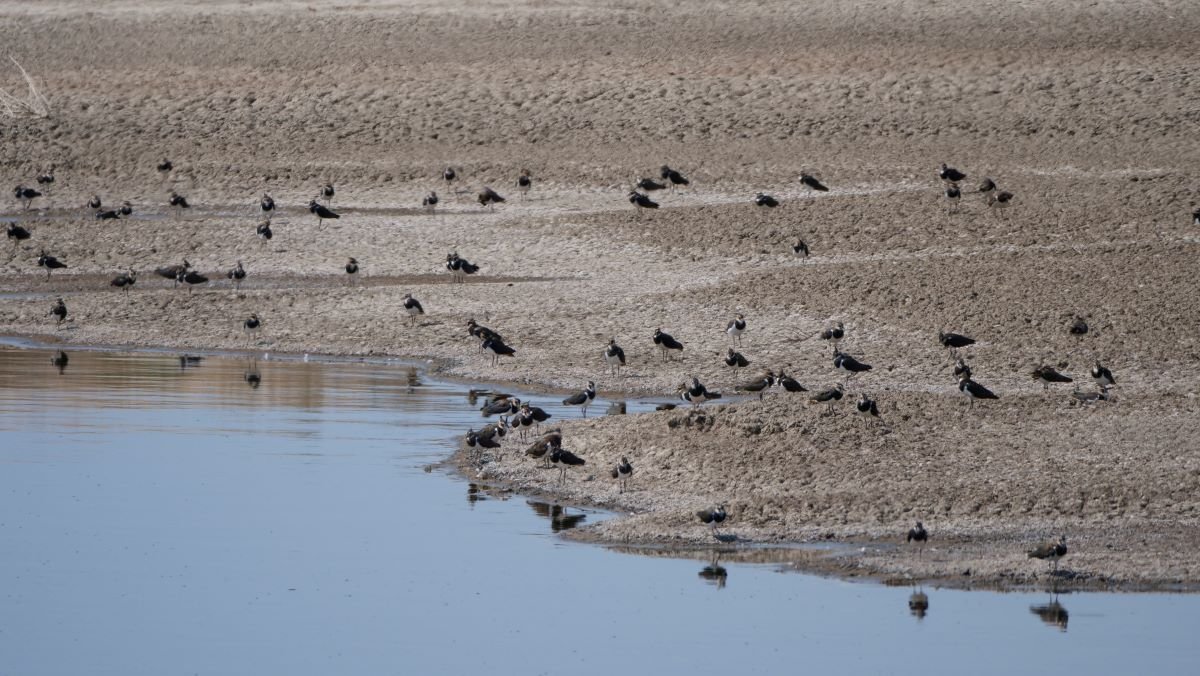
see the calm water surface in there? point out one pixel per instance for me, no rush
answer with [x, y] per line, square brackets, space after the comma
[164, 520]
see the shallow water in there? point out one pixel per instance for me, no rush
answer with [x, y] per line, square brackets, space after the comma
[159, 519]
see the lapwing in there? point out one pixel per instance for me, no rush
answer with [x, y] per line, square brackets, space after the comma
[413, 307]
[482, 333]
[449, 176]
[171, 272]
[850, 365]
[1103, 377]
[496, 429]
[564, 459]
[953, 194]
[124, 280]
[954, 341]
[178, 203]
[582, 399]
[328, 191]
[759, 385]
[736, 359]
[17, 234]
[321, 211]
[267, 205]
[191, 278]
[264, 231]
[1196, 217]
[961, 370]
[614, 356]
[789, 383]
[622, 473]
[489, 198]
[987, 187]
[522, 421]
[46, 179]
[673, 177]
[919, 535]
[498, 349]
[800, 249]
[666, 344]
[60, 361]
[474, 440]
[828, 396]
[999, 200]
[973, 390]
[59, 311]
[49, 262]
[460, 267]
[951, 175]
[736, 327]
[252, 323]
[542, 448]
[765, 200]
[95, 203]
[524, 183]
[351, 268]
[108, 215]
[1048, 374]
[1050, 551]
[713, 516]
[809, 181]
[865, 406]
[833, 334]
[649, 185]
[430, 201]
[25, 195]
[641, 201]
[165, 166]
[237, 273]
[539, 414]
[504, 405]
[126, 208]
[1078, 327]
[697, 393]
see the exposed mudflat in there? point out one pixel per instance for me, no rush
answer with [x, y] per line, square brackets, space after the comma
[1087, 114]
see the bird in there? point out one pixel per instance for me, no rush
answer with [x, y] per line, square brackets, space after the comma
[126, 208]
[614, 356]
[697, 393]
[649, 185]
[351, 269]
[522, 420]
[496, 429]
[800, 248]
[641, 201]
[961, 370]
[810, 182]
[565, 459]
[759, 385]
[460, 267]
[1103, 377]
[501, 406]
[267, 204]
[1048, 374]
[622, 473]
[165, 166]
[828, 396]
[539, 414]
[124, 280]
[49, 262]
[178, 202]
[430, 201]
[953, 194]
[833, 333]
[524, 182]
[25, 195]
[712, 516]
[16, 233]
[186, 360]
[987, 186]
[789, 383]
[237, 273]
[264, 231]
[482, 333]
[666, 343]
[94, 202]
[673, 177]
[866, 406]
[498, 349]
[582, 399]
[328, 192]
[489, 198]
[413, 307]
[849, 364]
[59, 310]
[192, 278]
[543, 446]
[736, 327]
[473, 439]
[321, 211]
[1050, 551]
[999, 200]
[736, 359]
[172, 271]
[764, 200]
[950, 174]
[252, 323]
[1079, 327]
[46, 178]
[1196, 217]
[108, 215]
[974, 390]
[60, 360]
[919, 535]
[954, 341]
[449, 175]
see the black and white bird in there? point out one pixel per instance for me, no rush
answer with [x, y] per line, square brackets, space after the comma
[60, 361]
[673, 177]
[833, 334]
[850, 365]
[809, 181]
[759, 385]
[252, 323]
[667, 344]
[178, 203]
[474, 440]
[264, 231]
[460, 267]
[498, 349]
[543, 447]
[622, 472]
[1078, 327]
[237, 273]
[16, 233]
[1050, 551]
[951, 175]
[49, 262]
[641, 201]
[413, 307]
[973, 390]
[919, 535]
[986, 187]
[267, 205]
[351, 269]
[865, 406]
[95, 203]
[697, 393]
[539, 414]
[321, 211]
[59, 311]
[614, 356]
[998, 200]
[800, 248]
[165, 166]
[961, 370]
[46, 179]
[1196, 217]
[172, 272]
[489, 198]
[191, 278]
[124, 280]
[649, 185]
[953, 194]
[1103, 377]
[482, 333]
[1048, 374]
[789, 383]
[126, 208]
[108, 215]
[828, 396]
[736, 359]
[327, 191]
[954, 341]
[582, 399]
[564, 460]
[430, 201]
[449, 176]
[765, 200]
[25, 195]
[503, 405]
[713, 516]
[524, 182]
[736, 327]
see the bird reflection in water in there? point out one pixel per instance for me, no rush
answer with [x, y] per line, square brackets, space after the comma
[918, 603]
[1052, 613]
[714, 573]
[560, 520]
[412, 378]
[474, 494]
[616, 408]
[60, 361]
[252, 377]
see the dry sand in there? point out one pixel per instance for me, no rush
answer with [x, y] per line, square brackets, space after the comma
[1089, 114]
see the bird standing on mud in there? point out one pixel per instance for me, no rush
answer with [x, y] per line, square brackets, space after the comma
[667, 344]
[237, 273]
[582, 399]
[413, 307]
[489, 198]
[49, 262]
[321, 211]
[736, 327]
[641, 201]
[59, 311]
[267, 205]
[614, 356]
[1050, 551]
[124, 281]
[622, 473]
[809, 181]
[713, 516]
[919, 535]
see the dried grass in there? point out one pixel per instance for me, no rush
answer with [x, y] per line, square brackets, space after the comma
[31, 103]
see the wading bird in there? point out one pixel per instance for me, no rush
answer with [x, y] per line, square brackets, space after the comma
[413, 307]
[614, 356]
[1050, 551]
[264, 231]
[172, 272]
[666, 344]
[192, 278]
[565, 459]
[764, 200]
[800, 249]
[59, 311]
[951, 175]
[124, 281]
[811, 182]
[321, 211]
[1048, 374]
[25, 195]
[736, 327]
[489, 198]
[582, 399]
[622, 473]
[641, 201]
[351, 268]
[919, 535]
[973, 390]
[17, 234]
[49, 262]
[713, 516]
[673, 177]
[178, 203]
[237, 273]
[828, 396]
[736, 359]
[524, 183]
[267, 205]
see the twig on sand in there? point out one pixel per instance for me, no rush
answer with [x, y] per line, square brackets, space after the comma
[32, 103]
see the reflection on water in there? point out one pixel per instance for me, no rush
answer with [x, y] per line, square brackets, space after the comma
[1052, 613]
[918, 603]
[560, 517]
[714, 573]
